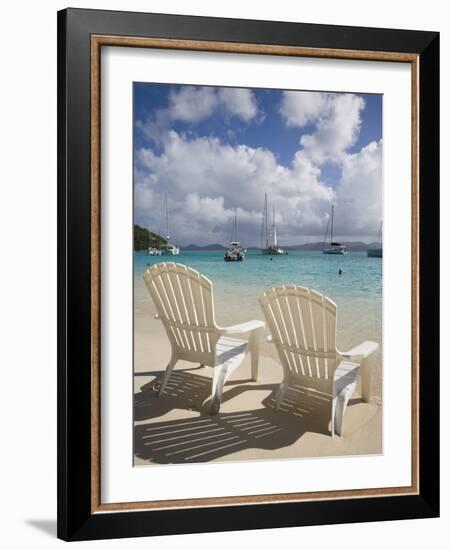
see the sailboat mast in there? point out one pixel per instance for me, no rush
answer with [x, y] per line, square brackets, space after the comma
[233, 236]
[167, 216]
[332, 226]
[274, 236]
[266, 220]
[326, 233]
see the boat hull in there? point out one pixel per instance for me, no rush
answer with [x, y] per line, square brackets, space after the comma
[339, 251]
[273, 251]
[233, 258]
[170, 250]
[374, 252]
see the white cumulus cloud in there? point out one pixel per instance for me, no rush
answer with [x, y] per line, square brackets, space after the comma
[335, 117]
[209, 181]
[194, 104]
[359, 195]
[238, 102]
[300, 108]
[191, 104]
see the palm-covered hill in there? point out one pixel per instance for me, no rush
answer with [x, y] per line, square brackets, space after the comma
[143, 238]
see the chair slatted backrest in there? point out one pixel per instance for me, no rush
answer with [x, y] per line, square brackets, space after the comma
[184, 302]
[302, 323]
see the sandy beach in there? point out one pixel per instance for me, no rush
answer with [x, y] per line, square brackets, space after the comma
[176, 428]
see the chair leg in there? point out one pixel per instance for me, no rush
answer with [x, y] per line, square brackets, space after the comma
[281, 393]
[219, 379]
[254, 345]
[166, 376]
[332, 415]
[339, 404]
[338, 408]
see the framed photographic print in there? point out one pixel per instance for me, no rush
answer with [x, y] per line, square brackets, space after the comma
[248, 274]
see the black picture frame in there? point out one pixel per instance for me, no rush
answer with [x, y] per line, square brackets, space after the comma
[76, 519]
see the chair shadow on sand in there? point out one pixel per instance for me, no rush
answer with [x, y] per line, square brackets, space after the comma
[204, 438]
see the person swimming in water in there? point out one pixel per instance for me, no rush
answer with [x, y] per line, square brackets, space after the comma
[340, 271]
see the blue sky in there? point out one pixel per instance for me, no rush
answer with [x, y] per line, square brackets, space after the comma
[218, 150]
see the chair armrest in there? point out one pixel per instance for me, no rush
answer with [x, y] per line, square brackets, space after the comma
[364, 355]
[242, 328]
[360, 352]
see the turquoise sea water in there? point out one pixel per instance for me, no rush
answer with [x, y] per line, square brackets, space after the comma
[357, 292]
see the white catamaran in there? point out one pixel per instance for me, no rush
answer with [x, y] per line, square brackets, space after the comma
[168, 248]
[333, 247]
[270, 237]
[235, 252]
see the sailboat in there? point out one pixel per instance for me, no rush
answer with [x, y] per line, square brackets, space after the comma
[334, 247]
[153, 250]
[235, 252]
[376, 251]
[168, 248]
[271, 245]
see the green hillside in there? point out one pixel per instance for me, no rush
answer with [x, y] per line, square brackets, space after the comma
[143, 238]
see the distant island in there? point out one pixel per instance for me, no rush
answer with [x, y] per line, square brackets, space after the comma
[353, 246]
[143, 239]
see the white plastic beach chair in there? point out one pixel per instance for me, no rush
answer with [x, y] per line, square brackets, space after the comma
[303, 328]
[184, 302]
